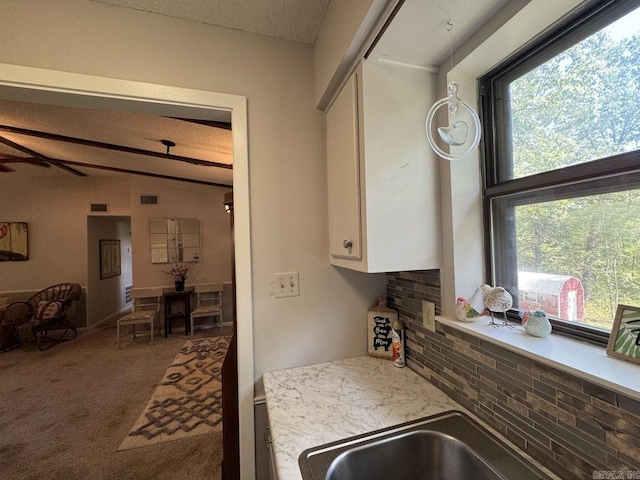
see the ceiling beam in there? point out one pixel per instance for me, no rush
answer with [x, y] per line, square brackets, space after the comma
[146, 174]
[110, 146]
[30, 160]
[208, 123]
[41, 157]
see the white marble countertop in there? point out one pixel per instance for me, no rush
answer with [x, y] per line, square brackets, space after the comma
[317, 404]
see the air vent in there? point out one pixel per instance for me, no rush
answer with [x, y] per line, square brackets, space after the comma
[99, 207]
[127, 294]
[148, 199]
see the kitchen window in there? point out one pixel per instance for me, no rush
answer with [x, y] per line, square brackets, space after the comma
[561, 165]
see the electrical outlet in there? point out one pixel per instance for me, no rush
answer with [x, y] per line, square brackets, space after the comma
[286, 284]
[429, 315]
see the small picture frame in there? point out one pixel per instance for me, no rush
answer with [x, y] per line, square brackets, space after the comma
[624, 341]
[109, 258]
[13, 242]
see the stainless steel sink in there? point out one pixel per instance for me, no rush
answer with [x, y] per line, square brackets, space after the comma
[446, 446]
[420, 454]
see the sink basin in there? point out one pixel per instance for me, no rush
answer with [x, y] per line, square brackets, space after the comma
[446, 446]
[421, 454]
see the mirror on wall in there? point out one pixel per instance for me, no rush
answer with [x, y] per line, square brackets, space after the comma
[174, 240]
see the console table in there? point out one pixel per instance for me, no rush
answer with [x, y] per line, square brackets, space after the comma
[177, 305]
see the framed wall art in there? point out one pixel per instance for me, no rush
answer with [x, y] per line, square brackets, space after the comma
[624, 341]
[13, 242]
[109, 258]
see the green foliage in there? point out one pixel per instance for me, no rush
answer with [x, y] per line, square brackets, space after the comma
[580, 106]
[628, 334]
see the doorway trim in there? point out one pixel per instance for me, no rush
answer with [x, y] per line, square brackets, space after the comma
[63, 88]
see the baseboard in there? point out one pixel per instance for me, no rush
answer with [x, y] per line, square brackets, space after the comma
[109, 319]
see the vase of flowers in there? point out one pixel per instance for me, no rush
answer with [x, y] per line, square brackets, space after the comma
[179, 273]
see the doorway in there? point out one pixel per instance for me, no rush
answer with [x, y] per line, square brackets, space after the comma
[113, 299]
[62, 88]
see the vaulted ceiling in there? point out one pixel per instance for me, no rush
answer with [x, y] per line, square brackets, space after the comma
[39, 139]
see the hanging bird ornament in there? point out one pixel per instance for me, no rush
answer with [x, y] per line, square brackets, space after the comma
[456, 134]
[464, 312]
[496, 299]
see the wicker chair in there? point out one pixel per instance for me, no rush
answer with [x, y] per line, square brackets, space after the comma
[44, 316]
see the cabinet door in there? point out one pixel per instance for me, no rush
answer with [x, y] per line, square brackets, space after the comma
[264, 468]
[343, 173]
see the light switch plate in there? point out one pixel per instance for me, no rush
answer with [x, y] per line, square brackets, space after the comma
[286, 284]
[429, 315]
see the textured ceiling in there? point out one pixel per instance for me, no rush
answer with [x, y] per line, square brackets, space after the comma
[203, 145]
[420, 33]
[296, 20]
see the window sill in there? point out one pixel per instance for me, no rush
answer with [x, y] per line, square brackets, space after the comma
[581, 359]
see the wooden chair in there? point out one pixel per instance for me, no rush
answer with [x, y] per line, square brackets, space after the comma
[208, 303]
[44, 314]
[145, 310]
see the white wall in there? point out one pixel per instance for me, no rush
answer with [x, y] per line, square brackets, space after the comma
[64, 234]
[181, 200]
[340, 24]
[54, 207]
[348, 29]
[286, 152]
[123, 228]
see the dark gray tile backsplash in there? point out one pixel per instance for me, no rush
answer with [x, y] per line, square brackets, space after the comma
[577, 429]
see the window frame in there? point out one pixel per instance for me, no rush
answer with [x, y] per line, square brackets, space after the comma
[621, 170]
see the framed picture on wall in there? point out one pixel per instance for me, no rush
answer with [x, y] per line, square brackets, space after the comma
[109, 258]
[624, 341]
[13, 242]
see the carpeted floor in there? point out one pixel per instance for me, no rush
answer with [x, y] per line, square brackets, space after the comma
[64, 412]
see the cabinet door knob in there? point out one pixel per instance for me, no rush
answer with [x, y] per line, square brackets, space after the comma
[347, 244]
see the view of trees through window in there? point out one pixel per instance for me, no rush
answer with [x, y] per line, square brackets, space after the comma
[595, 239]
[579, 106]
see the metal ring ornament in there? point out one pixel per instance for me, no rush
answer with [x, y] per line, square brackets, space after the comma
[476, 122]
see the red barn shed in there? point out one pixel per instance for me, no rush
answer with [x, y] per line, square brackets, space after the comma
[561, 296]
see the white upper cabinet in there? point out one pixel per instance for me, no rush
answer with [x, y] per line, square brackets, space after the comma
[343, 171]
[384, 211]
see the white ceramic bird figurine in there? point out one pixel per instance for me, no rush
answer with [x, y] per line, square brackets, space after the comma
[536, 323]
[496, 299]
[464, 312]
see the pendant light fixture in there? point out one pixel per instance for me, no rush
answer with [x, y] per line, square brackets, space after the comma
[168, 144]
[456, 134]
